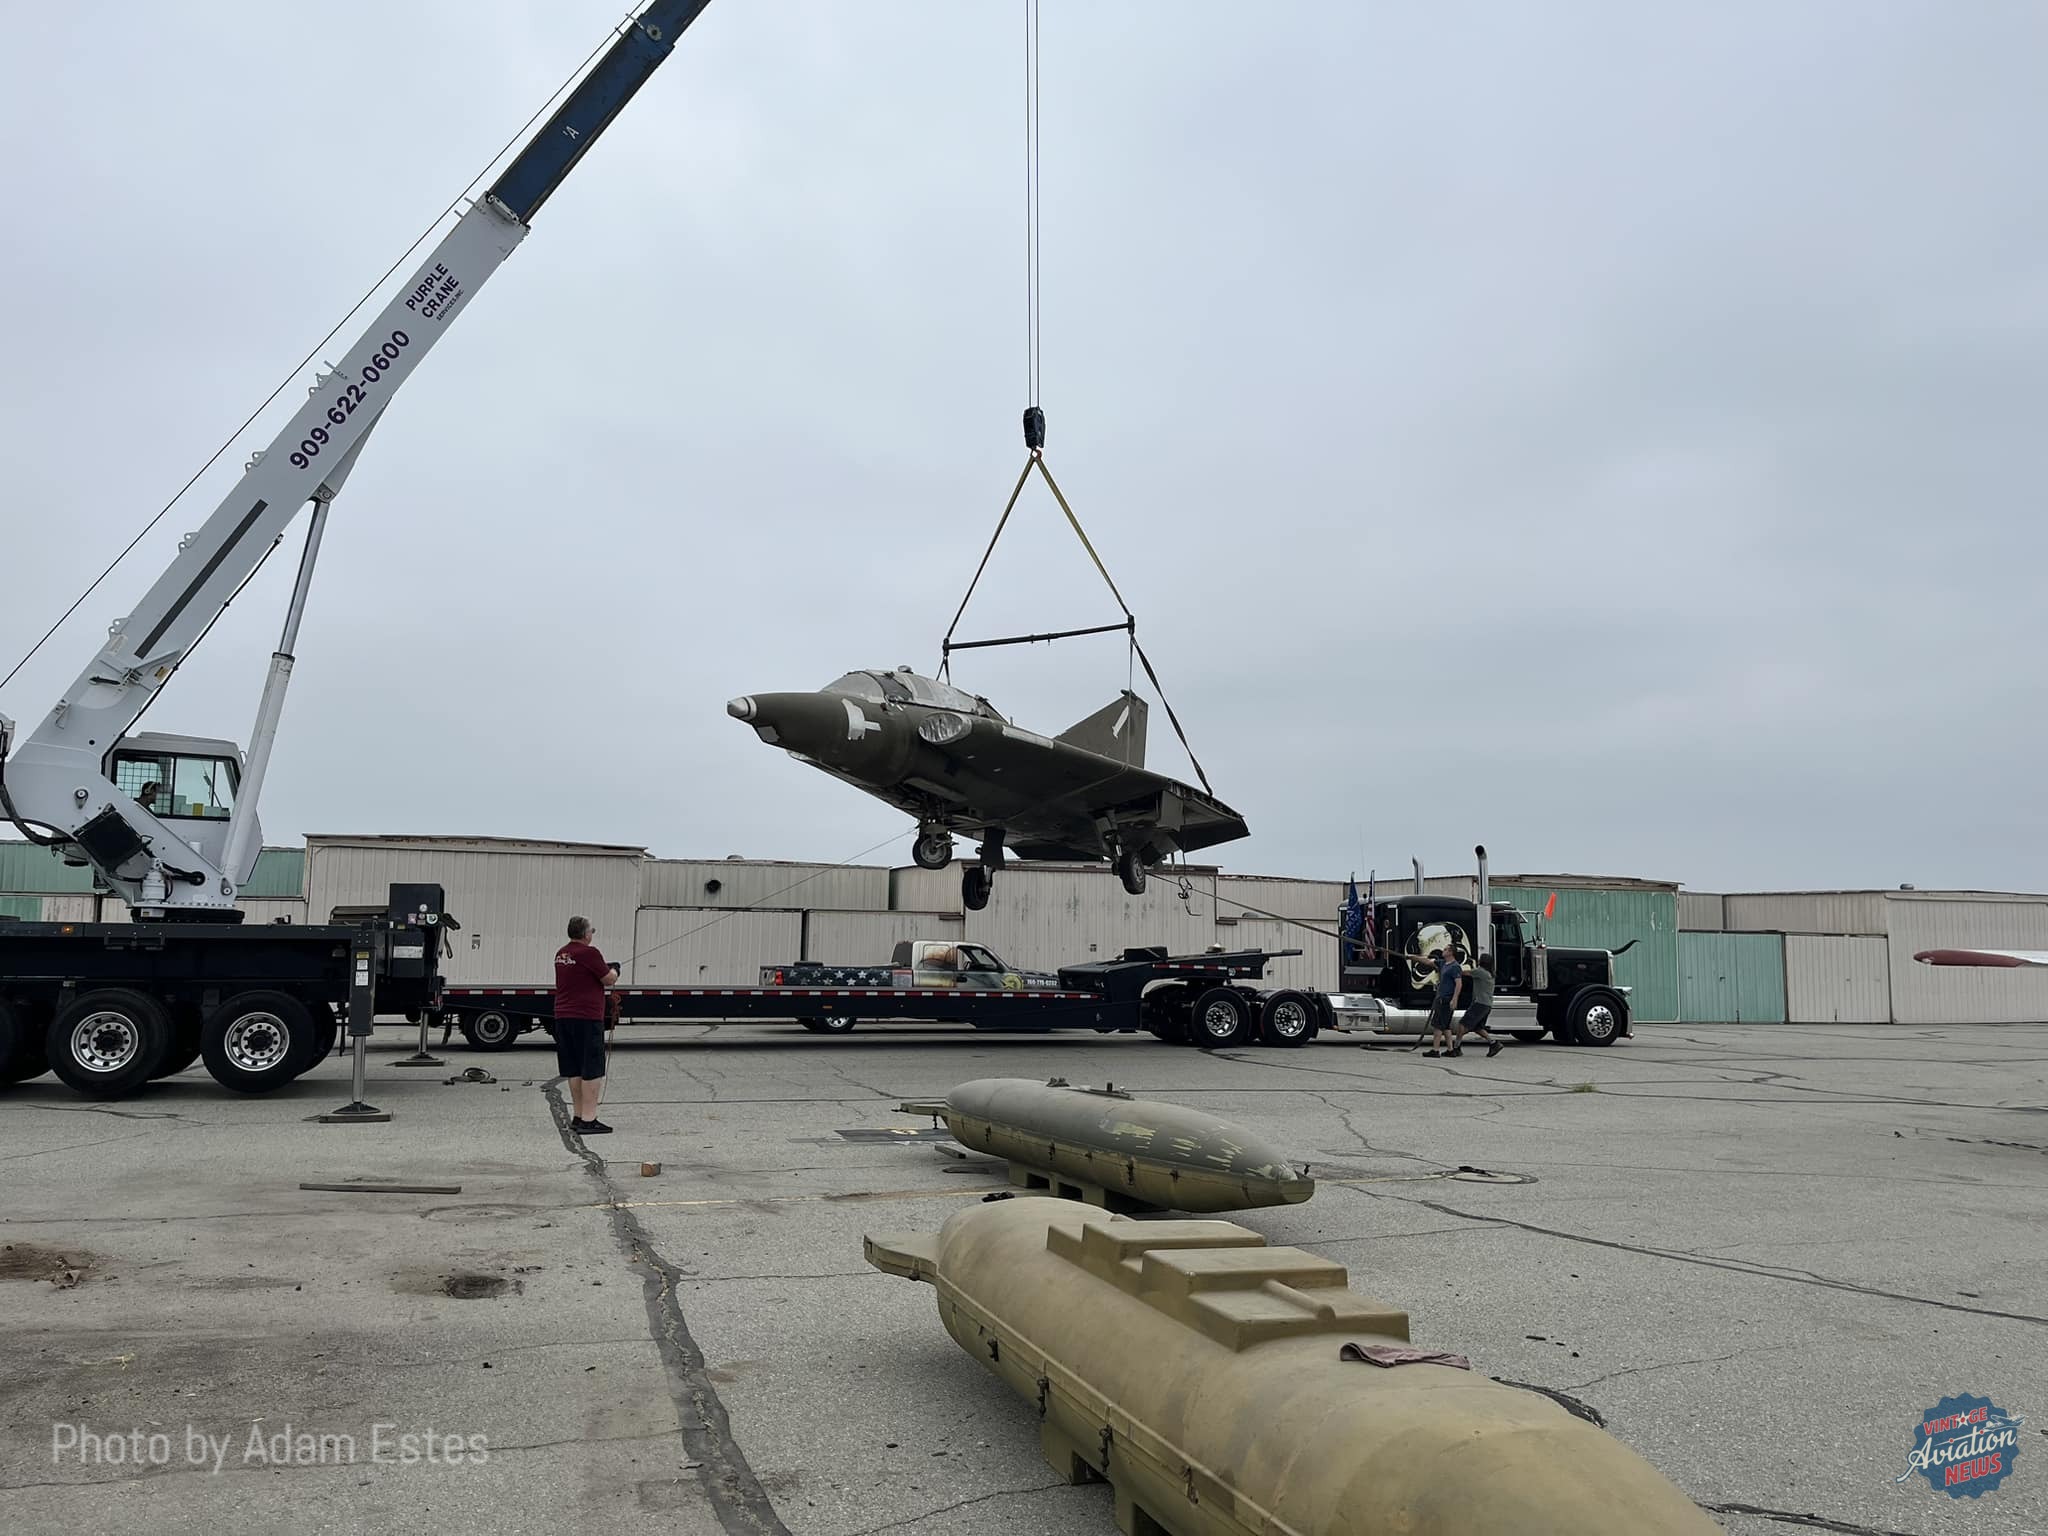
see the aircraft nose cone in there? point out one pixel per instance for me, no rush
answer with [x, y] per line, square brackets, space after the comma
[740, 709]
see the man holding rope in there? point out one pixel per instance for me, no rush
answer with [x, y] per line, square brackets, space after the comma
[582, 977]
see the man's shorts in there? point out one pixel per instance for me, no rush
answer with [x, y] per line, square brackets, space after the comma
[579, 1048]
[1440, 1013]
[1476, 1016]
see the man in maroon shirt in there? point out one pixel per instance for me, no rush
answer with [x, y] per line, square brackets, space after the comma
[582, 977]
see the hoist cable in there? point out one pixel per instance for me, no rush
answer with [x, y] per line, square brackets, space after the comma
[1033, 356]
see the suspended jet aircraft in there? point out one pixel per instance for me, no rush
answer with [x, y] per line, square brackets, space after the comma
[950, 760]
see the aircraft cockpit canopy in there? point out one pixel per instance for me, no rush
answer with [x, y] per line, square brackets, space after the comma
[906, 687]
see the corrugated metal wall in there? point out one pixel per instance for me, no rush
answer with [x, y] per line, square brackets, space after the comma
[711, 946]
[1837, 979]
[1731, 978]
[278, 872]
[870, 938]
[21, 909]
[26, 869]
[1315, 966]
[512, 904]
[71, 909]
[1249, 896]
[836, 887]
[1944, 994]
[268, 909]
[1701, 912]
[1805, 912]
[1607, 919]
[1046, 918]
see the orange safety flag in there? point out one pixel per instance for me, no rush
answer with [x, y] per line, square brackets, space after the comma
[1550, 907]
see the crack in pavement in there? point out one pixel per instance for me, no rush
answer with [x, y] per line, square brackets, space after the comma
[947, 1509]
[1364, 1141]
[1733, 1266]
[734, 1493]
[1666, 1365]
[1811, 1522]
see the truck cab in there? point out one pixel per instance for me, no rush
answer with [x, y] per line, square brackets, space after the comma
[1538, 989]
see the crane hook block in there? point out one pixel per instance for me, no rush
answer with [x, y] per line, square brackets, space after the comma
[1034, 428]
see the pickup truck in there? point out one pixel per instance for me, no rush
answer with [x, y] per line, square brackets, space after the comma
[917, 963]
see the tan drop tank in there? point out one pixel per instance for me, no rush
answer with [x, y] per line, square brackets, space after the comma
[1109, 1149]
[1224, 1387]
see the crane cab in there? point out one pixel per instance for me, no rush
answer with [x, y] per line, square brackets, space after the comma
[187, 783]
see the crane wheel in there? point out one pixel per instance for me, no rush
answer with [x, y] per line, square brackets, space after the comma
[106, 1043]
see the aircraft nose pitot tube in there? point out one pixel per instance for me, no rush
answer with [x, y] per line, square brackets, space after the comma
[1226, 1388]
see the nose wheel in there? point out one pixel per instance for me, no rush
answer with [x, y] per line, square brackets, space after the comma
[976, 882]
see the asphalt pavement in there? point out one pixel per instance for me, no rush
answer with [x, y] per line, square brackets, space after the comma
[1761, 1254]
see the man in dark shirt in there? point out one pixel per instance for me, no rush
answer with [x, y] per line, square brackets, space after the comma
[1450, 980]
[582, 977]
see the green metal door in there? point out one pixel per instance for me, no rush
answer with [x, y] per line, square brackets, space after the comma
[1731, 978]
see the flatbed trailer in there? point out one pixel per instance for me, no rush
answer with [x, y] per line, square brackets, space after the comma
[1197, 999]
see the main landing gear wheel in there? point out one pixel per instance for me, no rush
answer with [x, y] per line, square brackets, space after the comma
[975, 884]
[932, 850]
[1131, 866]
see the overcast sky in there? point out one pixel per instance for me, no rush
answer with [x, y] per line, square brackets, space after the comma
[1613, 433]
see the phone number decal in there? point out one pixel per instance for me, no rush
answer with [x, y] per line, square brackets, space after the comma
[352, 397]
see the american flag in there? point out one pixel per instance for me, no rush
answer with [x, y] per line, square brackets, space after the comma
[1357, 925]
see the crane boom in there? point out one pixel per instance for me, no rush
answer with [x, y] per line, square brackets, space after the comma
[61, 779]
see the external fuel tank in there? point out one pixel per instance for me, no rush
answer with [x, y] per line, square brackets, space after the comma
[1226, 1388]
[1105, 1147]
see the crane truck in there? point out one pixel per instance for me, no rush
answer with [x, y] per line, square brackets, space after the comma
[169, 822]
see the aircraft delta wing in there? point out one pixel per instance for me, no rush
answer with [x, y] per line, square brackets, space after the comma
[950, 760]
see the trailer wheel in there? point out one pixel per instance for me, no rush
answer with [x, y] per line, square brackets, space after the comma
[107, 1043]
[1164, 1012]
[1289, 1018]
[490, 1030]
[838, 1024]
[185, 1042]
[1221, 1019]
[257, 1041]
[22, 1053]
[1595, 1016]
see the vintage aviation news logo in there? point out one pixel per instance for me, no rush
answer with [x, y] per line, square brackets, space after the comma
[1964, 1446]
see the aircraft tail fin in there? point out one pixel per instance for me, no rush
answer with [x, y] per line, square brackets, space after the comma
[1117, 731]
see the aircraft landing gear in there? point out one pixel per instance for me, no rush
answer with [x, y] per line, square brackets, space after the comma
[978, 880]
[1131, 868]
[933, 848]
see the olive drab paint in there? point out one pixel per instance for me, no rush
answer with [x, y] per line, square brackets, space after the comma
[1205, 1376]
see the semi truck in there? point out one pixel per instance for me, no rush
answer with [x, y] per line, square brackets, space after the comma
[1385, 982]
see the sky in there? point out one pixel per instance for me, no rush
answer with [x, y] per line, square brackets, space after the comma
[1613, 434]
